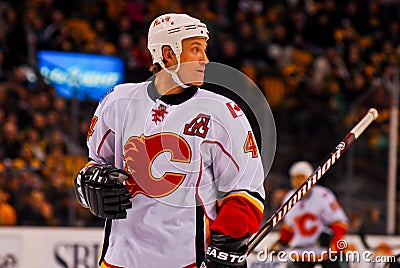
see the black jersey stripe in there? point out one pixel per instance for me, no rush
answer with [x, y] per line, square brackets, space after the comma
[255, 195]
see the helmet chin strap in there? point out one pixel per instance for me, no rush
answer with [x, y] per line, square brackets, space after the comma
[174, 73]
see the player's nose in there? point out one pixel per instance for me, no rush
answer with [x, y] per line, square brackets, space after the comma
[204, 59]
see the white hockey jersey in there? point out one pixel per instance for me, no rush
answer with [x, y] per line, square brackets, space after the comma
[186, 154]
[312, 215]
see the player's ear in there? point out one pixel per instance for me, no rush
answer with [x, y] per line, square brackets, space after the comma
[168, 54]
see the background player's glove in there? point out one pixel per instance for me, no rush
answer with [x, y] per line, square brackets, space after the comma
[101, 189]
[226, 251]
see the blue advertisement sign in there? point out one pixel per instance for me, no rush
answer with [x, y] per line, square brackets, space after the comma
[86, 76]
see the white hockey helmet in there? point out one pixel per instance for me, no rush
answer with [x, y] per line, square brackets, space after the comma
[171, 29]
[301, 168]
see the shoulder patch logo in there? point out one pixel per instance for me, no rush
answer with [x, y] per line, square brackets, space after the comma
[198, 126]
[234, 109]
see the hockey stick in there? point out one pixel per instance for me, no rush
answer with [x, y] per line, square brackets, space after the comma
[354, 133]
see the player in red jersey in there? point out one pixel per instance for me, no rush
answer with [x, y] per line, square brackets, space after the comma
[315, 225]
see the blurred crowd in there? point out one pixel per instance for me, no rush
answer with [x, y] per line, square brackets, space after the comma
[320, 63]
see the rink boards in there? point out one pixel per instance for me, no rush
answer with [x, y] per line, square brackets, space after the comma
[79, 247]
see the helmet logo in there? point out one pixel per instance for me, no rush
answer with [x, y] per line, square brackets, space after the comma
[161, 20]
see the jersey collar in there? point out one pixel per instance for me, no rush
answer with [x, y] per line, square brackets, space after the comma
[172, 99]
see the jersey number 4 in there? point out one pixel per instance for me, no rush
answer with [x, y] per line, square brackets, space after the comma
[250, 146]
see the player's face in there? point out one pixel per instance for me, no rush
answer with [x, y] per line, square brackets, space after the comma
[297, 180]
[193, 61]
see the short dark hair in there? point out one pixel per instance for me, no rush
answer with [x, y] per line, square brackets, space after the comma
[155, 68]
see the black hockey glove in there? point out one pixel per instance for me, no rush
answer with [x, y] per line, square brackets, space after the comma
[226, 251]
[101, 189]
[325, 239]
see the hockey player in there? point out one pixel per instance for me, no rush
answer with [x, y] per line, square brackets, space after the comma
[314, 225]
[174, 169]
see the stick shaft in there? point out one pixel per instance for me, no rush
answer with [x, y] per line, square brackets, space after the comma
[328, 162]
